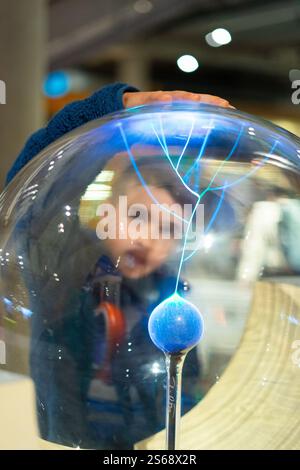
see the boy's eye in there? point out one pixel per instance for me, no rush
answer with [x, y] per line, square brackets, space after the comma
[139, 215]
[135, 215]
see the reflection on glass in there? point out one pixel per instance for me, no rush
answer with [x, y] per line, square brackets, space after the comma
[111, 221]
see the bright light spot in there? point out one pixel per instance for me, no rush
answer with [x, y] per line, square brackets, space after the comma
[187, 63]
[97, 187]
[61, 228]
[293, 320]
[221, 36]
[155, 369]
[7, 302]
[104, 176]
[208, 241]
[218, 37]
[25, 311]
[96, 195]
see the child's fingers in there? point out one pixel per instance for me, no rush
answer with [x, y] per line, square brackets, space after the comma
[199, 97]
[133, 99]
[185, 95]
[211, 99]
[139, 98]
[160, 96]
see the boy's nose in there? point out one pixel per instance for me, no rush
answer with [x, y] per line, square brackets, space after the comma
[144, 244]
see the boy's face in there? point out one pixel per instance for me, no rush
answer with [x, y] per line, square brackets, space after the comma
[145, 240]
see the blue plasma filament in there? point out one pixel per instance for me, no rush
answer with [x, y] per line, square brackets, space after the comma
[175, 325]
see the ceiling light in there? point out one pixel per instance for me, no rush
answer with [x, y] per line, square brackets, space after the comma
[187, 63]
[218, 37]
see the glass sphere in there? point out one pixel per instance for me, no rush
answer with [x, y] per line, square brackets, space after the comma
[113, 219]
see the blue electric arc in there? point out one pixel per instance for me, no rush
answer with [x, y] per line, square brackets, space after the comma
[176, 325]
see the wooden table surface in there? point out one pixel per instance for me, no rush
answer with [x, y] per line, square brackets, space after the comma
[256, 402]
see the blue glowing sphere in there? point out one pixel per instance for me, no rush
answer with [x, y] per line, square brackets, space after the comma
[175, 325]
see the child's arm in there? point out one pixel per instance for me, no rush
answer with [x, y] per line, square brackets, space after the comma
[107, 100]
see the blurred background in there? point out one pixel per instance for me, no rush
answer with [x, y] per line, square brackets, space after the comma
[56, 51]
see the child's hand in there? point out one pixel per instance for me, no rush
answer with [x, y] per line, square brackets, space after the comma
[131, 99]
[99, 104]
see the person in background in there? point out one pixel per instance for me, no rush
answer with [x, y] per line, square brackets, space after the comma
[271, 239]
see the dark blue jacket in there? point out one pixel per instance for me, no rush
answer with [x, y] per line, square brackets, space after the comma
[104, 101]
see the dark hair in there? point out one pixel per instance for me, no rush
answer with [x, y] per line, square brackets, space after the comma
[159, 173]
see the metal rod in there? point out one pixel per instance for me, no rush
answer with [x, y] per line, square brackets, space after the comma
[174, 364]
